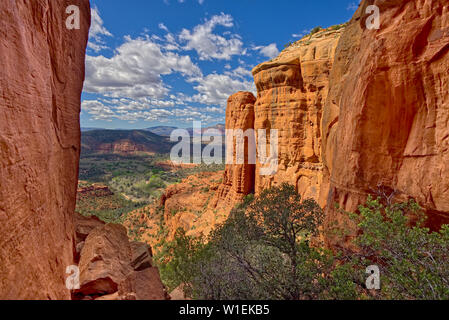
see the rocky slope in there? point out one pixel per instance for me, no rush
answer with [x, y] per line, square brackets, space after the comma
[386, 118]
[194, 205]
[42, 72]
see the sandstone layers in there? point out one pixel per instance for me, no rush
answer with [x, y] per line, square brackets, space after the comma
[41, 79]
[386, 117]
[358, 109]
[291, 92]
[238, 179]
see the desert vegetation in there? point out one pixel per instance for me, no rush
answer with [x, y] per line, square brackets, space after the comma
[269, 249]
[135, 181]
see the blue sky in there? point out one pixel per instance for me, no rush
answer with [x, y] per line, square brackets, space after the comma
[171, 62]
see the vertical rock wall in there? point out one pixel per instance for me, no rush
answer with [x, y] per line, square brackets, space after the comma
[358, 109]
[292, 90]
[386, 118]
[41, 79]
[238, 180]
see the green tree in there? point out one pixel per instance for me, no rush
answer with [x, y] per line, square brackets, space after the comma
[413, 260]
[262, 251]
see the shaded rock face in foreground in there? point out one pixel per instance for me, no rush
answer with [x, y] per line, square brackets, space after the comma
[41, 78]
[386, 118]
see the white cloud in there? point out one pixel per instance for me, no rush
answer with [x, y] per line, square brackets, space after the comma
[209, 45]
[215, 89]
[130, 85]
[163, 27]
[302, 33]
[353, 6]
[271, 51]
[135, 110]
[135, 70]
[239, 72]
[97, 32]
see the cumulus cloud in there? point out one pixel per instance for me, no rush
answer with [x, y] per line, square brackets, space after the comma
[132, 111]
[353, 6]
[97, 32]
[302, 33]
[271, 51]
[135, 70]
[215, 89]
[209, 45]
[131, 85]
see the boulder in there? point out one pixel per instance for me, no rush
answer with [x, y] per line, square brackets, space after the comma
[141, 256]
[85, 225]
[105, 261]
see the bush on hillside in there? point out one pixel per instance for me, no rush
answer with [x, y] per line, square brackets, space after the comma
[264, 251]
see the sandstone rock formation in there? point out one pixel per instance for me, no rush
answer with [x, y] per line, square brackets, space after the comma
[291, 93]
[42, 72]
[112, 268]
[292, 90]
[238, 180]
[358, 109]
[124, 142]
[41, 78]
[105, 260]
[95, 189]
[194, 205]
[386, 118]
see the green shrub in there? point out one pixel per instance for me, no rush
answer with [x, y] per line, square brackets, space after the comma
[264, 251]
[315, 30]
[413, 260]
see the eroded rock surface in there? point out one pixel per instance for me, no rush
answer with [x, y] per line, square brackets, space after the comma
[292, 90]
[386, 118]
[112, 268]
[239, 177]
[41, 78]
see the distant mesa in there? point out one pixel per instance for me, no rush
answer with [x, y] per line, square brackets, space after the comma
[166, 131]
[126, 142]
[86, 129]
[163, 131]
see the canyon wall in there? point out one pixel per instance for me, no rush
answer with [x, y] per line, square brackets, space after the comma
[385, 122]
[238, 180]
[41, 79]
[361, 110]
[292, 90]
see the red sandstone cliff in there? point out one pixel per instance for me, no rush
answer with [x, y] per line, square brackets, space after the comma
[292, 90]
[41, 79]
[238, 180]
[42, 73]
[358, 108]
[386, 119]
